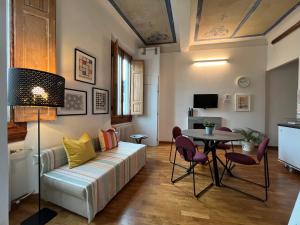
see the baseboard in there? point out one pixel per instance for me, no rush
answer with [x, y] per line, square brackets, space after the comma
[165, 142]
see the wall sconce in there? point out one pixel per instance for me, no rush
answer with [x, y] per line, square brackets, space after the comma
[210, 62]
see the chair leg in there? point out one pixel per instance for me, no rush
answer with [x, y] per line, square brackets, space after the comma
[173, 167]
[189, 171]
[267, 163]
[266, 173]
[171, 151]
[194, 185]
[181, 177]
[224, 170]
[197, 195]
[249, 181]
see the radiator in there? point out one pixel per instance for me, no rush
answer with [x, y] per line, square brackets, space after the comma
[124, 131]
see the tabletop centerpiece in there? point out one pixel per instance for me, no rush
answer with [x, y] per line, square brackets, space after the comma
[209, 127]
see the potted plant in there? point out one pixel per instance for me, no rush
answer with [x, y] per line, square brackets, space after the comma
[209, 127]
[251, 137]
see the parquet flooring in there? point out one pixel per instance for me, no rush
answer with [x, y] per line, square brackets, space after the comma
[150, 198]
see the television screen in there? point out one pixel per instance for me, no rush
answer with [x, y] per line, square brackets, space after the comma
[205, 101]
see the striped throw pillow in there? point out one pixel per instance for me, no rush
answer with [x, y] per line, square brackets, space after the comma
[108, 139]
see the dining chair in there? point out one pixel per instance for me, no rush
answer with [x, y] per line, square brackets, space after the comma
[188, 151]
[238, 158]
[222, 145]
[176, 131]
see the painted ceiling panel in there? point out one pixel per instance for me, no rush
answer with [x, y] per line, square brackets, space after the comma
[151, 20]
[219, 19]
[266, 14]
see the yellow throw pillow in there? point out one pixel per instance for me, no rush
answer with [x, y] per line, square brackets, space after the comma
[79, 151]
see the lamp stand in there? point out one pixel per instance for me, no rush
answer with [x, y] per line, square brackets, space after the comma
[44, 215]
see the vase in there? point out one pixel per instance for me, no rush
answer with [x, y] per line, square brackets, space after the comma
[209, 130]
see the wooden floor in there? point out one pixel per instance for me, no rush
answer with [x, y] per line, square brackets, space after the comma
[150, 198]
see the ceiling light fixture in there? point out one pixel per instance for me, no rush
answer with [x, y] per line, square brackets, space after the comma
[210, 62]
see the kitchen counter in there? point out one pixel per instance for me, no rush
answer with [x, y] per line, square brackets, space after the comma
[297, 126]
[289, 145]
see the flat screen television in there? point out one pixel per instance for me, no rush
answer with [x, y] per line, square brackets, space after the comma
[205, 101]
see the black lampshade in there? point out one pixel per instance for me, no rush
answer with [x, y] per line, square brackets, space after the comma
[28, 87]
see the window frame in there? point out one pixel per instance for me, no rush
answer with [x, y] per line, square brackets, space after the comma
[117, 119]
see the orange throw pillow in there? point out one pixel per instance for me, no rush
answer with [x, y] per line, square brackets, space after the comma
[108, 139]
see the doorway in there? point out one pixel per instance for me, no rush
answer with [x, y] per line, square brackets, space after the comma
[281, 97]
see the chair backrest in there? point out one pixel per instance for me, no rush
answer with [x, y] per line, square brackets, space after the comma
[185, 147]
[262, 148]
[224, 129]
[176, 132]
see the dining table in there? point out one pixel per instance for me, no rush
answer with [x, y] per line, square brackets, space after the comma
[210, 144]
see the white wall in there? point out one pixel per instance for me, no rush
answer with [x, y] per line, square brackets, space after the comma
[287, 49]
[89, 26]
[180, 80]
[281, 97]
[148, 122]
[4, 167]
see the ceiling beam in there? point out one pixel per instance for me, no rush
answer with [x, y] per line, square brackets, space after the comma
[247, 16]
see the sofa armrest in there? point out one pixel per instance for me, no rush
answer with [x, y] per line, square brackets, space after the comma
[52, 158]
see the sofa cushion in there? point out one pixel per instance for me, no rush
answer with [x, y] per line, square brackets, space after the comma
[79, 151]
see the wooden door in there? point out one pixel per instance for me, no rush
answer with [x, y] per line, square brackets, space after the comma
[137, 87]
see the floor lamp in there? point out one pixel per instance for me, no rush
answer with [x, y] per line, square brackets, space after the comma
[28, 87]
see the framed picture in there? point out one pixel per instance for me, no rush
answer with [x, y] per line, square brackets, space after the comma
[85, 67]
[242, 102]
[100, 101]
[75, 103]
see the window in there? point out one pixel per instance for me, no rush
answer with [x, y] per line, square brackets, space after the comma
[121, 77]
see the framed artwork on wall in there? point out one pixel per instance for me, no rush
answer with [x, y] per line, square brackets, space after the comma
[100, 101]
[85, 67]
[75, 103]
[242, 102]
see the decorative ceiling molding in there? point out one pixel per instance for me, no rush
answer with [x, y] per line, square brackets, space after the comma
[233, 19]
[250, 12]
[152, 21]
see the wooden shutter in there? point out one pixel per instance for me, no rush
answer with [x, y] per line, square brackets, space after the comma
[114, 77]
[34, 34]
[34, 46]
[137, 87]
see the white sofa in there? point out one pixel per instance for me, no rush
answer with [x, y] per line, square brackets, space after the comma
[86, 189]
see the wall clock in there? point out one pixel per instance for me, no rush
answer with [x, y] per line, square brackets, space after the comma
[243, 82]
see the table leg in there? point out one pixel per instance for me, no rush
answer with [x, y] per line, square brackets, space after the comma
[206, 147]
[215, 164]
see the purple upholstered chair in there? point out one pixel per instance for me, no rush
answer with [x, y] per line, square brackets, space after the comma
[188, 151]
[176, 131]
[223, 145]
[238, 158]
